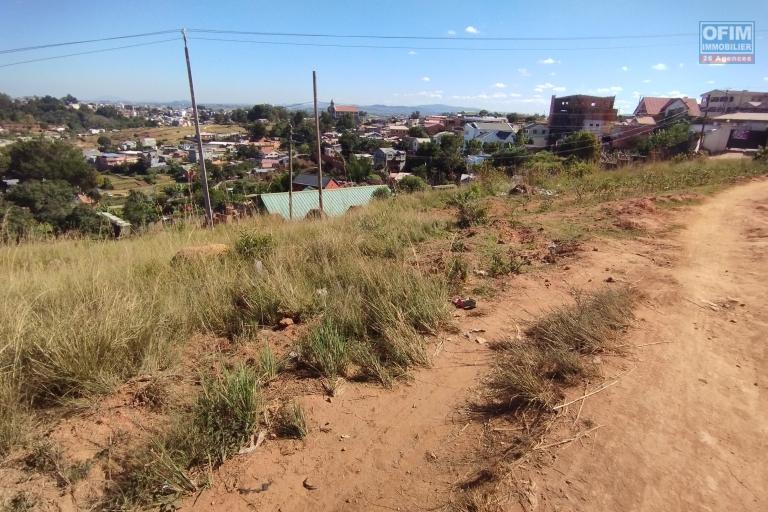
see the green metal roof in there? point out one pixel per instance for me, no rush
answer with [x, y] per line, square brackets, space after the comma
[336, 201]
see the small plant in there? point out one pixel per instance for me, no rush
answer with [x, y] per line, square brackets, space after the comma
[227, 412]
[501, 263]
[21, 502]
[382, 193]
[472, 210]
[153, 396]
[456, 269]
[458, 245]
[292, 422]
[251, 244]
[269, 364]
[326, 350]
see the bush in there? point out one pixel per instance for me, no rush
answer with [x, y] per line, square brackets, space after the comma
[382, 193]
[253, 245]
[410, 184]
[472, 209]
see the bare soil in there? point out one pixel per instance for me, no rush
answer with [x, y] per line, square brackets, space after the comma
[684, 427]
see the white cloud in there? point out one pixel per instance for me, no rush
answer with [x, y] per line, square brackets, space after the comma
[553, 74]
[524, 71]
[625, 68]
[425, 79]
[500, 85]
[681, 65]
[764, 78]
[636, 94]
[646, 81]
[451, 32]
[471, 30]
[659, 67]
[710, 82]
[411, 52]
[549, 60]
[612, 89]
[677, 94]
[549, 87]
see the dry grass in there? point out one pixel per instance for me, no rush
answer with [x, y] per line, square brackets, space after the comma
[531, 372]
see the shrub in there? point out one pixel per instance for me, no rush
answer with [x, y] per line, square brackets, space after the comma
[381, 193]
[471, 208]
[410, 184]
[253, 245]
[326, 350]
[292, 422]
[456, 269]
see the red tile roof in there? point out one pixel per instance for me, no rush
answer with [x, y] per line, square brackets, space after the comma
[346, 108]
[652, 105]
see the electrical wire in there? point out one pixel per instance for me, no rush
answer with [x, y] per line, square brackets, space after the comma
[438, 48]
[54, 57]
[444, 38]
[85, 41]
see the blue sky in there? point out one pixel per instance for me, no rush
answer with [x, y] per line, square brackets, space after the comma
[230, 72]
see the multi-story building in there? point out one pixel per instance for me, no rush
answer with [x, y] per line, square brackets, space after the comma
[581, 112]
[720, 101]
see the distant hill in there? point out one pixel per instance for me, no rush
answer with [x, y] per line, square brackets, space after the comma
[390, 110]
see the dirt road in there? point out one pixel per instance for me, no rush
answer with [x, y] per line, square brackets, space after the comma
[688, 428]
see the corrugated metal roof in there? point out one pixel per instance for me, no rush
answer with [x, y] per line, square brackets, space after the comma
[335, 201]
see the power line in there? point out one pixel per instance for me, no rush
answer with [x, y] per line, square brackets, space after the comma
[87, 52]
[445, 38]
[439, 48]
[85, 41]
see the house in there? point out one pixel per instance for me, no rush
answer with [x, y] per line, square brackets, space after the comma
[433, 128]
[661, 108]
[397, 130]
[108, 160]
[120, 226]
[127, 145]
[738, 130]
[308, 181]
[337, 111]
[412, 143]
[580, 112]
[536, 135]
[496, 132]
[389, 158]
[332, 150]
[148, 142]
[722, 102]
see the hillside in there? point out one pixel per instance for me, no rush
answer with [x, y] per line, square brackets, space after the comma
[283, 365]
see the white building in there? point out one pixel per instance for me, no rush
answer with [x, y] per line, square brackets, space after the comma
[537, 135]
[500, 133]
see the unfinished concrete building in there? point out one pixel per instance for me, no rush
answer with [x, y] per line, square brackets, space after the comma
[580, 112]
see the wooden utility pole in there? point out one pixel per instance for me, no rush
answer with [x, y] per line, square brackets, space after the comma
[200, 152]
[319, 150]
[290, 171]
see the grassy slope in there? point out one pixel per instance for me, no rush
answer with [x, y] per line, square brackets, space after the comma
[79, 317]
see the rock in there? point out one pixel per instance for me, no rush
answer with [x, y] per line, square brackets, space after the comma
[200, 252]
[480, 341]
[308, 484]
[609, 279]
[285, 322]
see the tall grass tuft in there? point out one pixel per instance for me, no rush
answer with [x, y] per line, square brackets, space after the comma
[223, 418]
[529, 373]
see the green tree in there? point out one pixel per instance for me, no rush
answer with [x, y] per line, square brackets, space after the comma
[50, 160]
[104, 143]
[48, 201]
[345, 122]
[349, 142]
[84, 219]
[257, 131]
[418, 131]
[139, 210]
[582, 145]
[359, 169]
[262, 111]
[474, 147]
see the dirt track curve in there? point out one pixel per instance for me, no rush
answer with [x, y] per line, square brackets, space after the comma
[686, 429]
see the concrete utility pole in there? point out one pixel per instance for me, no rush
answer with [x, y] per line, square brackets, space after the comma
[319, 150]
[200, 152]
[290, 171]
